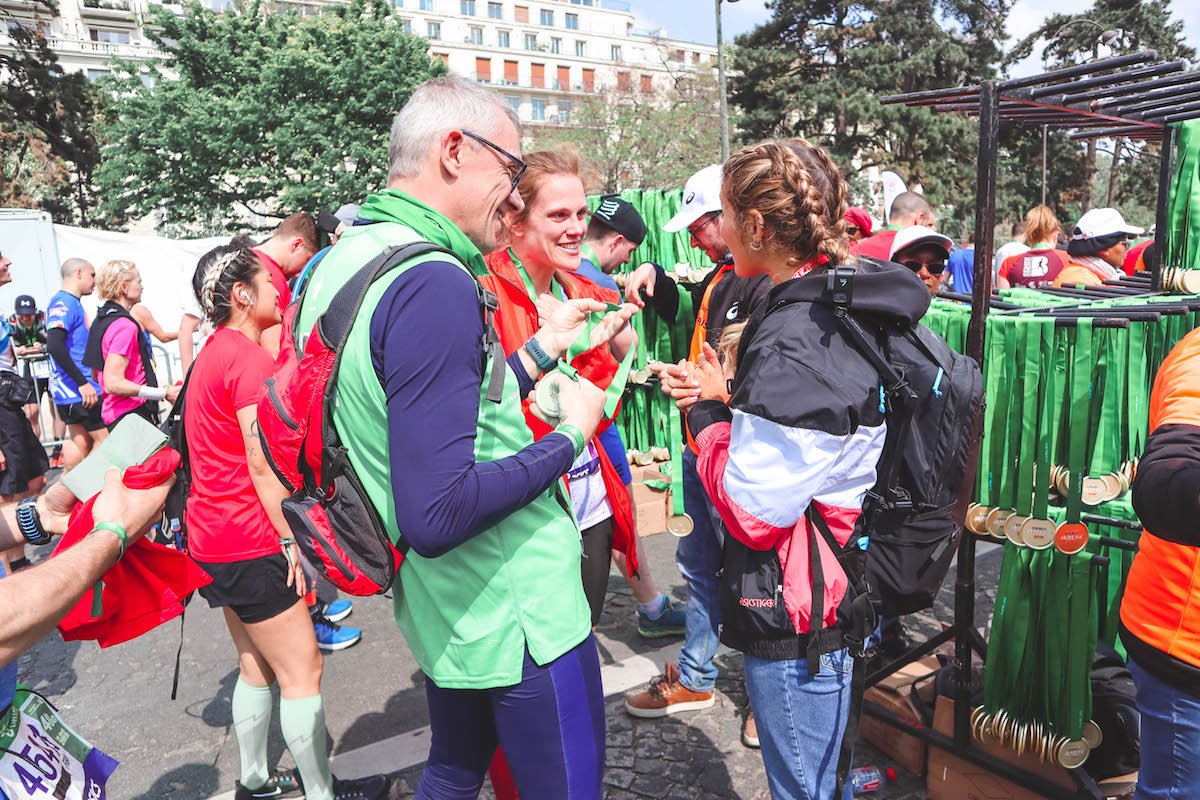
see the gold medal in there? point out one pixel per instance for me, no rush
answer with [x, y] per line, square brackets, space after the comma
[1072, 753]
[680, 525]
[1071, 537]
[1093, 493]
[977, 519]
[643, 459]
[1012, 528]
[995, 522]
[639, 376]
[1037, 533]
[1063, 482]
[1092, 736]
[1112, 487]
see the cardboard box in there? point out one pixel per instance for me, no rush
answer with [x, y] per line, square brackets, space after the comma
[952, 778]
[651, 516]
[894, 693]
[650, 472]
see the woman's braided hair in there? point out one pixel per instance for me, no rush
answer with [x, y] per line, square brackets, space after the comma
[214, 290]
[799, 191]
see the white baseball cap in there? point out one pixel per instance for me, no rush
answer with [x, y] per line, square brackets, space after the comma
[919, 234]
[701, 195]
[1104, 222]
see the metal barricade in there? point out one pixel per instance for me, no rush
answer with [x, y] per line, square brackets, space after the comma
[51, 430]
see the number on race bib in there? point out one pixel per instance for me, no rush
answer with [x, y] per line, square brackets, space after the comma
[33, 783]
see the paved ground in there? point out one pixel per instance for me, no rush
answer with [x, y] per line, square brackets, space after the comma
[185, 750]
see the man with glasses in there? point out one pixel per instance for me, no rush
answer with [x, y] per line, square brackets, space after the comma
[722, 299]
[925, 252]
[1097, 248]
[488, 596]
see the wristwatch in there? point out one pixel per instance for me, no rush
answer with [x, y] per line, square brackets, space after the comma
[540, 357]
[30, 524]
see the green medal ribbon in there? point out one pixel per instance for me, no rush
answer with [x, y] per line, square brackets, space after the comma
[676, 436]
[1027, 450]
[1078, 422]
[1047, 399]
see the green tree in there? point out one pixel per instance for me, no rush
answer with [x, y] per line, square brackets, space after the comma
[48, 145]
[632, 138]
[259, 111]
[1116, 26]
[817, 69]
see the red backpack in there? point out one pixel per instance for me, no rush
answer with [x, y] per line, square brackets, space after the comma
[334, 521]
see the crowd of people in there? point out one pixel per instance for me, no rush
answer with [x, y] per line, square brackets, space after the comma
[517, 511]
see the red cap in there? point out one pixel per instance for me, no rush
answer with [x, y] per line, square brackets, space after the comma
[891, 773]
[861, 219]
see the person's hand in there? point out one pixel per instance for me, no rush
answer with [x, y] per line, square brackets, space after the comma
[173, 393]
[581, 403]
[88, 393]
[644, 277]
[295, 575]
[562, 323]
[3, 462]
[54, 507]
[680, 383]
[710, 376]
[135, 510]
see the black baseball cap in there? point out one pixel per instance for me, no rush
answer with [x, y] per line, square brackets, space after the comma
[622, 217]
[26, 305]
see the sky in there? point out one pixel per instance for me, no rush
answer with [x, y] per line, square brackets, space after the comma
[739, 17]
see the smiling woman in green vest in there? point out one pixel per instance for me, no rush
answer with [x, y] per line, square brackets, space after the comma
[488, 597]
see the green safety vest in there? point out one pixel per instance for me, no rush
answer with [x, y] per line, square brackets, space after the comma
[470, 614]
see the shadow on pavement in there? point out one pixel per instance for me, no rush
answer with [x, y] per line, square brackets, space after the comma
[187, 782]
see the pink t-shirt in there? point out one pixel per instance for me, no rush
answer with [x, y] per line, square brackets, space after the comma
[121, 338]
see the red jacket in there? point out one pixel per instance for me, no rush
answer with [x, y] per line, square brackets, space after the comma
[516, 320]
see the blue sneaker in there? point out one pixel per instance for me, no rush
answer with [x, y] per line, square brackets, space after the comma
[336, 611]
[671, 621]
[331, 636]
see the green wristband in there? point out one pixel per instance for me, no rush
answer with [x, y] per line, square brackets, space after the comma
[115, 528]
[574, 434]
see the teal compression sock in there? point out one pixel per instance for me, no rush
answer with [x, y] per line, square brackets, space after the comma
[303, 724]
[252, 723]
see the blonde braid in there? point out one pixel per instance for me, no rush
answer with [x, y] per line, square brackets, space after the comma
[212, 278]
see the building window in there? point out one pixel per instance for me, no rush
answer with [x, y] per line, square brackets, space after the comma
[531, 41]
[466, 7]
[427, 5]
[556, 45]
[399, 3]
[406, 25]
[476, 35]
[581, 49]
[110, 37]
[522, 13]
[623, 82]
[616, 52]
[563, 81]
[537, 76]
[503, 39]
[572, 22]
[96, 74]
[547, 17]
[647, 83]
[539, 110]
[510, 73]
[564, 112]
[433, 30]
[495, 11]
[589, 80]
[483, 70]
[514, 103]
[443, 57]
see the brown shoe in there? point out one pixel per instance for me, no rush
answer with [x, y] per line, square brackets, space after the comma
[750, 731]
[667, 695]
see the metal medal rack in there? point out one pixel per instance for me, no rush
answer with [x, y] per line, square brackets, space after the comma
[1134, 96]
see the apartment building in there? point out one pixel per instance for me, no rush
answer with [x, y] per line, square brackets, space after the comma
[542, 56]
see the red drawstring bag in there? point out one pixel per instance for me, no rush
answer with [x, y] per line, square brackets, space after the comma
[147, 587]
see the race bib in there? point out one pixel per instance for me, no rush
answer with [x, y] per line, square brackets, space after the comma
[41, 757]
[40, 369]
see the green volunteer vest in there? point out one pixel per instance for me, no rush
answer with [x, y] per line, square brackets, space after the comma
[468, 615]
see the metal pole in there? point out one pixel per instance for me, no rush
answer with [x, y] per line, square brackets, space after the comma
[985, 228]
[1165, 173]
[1044, 135]
[721, 80]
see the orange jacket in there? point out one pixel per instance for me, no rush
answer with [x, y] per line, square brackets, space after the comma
[1160, 625]
[516, 320]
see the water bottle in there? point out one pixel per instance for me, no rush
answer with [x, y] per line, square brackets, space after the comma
[176, 534]
[870, 779]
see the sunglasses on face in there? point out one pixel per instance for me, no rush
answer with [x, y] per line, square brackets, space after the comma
[935, 268]
[516, 167]
[695, 228]
[852, 230]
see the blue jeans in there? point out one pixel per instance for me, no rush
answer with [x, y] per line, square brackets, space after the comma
[1170, 739]
[801, 720]
[698, 556]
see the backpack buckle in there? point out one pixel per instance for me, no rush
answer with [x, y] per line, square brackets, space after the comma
[840, 285]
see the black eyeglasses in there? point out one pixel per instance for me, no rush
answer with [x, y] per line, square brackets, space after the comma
[693, 231]
[936, 268]
[520, 165]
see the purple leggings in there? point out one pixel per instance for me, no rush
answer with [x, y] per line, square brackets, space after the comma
[550, 725]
